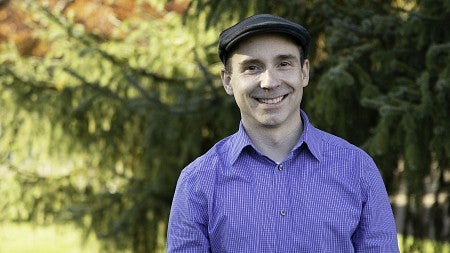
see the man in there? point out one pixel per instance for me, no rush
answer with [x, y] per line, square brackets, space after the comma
[278, 184]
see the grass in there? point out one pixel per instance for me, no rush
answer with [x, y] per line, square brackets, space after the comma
[26, 238]
[422, 246]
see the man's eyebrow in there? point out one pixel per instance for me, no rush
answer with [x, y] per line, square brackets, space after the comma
[287, 57]
[249, 61]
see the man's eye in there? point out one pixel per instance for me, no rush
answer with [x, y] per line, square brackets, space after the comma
[252, 67]
[285, 63]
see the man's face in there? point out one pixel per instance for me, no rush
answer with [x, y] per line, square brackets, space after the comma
[267, 81]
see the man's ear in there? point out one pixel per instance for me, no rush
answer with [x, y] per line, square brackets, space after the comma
[305, 73]
[226, 81]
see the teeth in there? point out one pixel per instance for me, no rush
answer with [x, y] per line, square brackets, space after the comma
[271, 100]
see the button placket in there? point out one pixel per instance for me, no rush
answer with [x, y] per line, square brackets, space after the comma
[281, 191]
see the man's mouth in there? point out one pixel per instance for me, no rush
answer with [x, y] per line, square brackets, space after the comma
[270, 100]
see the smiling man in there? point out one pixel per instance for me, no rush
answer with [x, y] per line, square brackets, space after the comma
[278, 184]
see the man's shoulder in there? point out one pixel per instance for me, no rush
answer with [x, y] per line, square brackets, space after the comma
[341, 154]
[333, 143]
[213, 159]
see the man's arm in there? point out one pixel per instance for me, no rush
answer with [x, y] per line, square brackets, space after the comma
[187, 229]
[376, 231]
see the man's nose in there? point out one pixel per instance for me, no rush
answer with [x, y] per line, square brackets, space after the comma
[269, 79]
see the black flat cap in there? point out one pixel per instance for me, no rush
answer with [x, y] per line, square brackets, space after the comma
[260, 24]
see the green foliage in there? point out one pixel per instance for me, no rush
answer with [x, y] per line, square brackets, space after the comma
[98, 129]
[393, 59]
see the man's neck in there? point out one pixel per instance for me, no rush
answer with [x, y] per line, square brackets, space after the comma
[276, 142]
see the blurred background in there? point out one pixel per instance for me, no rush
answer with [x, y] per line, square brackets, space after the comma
[103, 102]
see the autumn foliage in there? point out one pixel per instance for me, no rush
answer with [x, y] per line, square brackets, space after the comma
[100, 17]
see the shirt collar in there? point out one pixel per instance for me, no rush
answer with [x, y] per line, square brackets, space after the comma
[239, 141]
[310, 136]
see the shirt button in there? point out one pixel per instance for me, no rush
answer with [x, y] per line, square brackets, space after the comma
[280, 167]
[283, 212]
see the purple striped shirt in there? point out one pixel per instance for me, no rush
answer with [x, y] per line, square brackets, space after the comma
[326, 196]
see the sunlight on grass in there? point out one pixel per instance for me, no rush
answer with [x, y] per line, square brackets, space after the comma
[25, 238]
[422, 246]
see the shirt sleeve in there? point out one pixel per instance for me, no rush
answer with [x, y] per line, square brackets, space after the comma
[187, 227]
[376, 231]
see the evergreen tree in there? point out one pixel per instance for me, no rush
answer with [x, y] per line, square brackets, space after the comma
[97, 130]
[107, 123]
